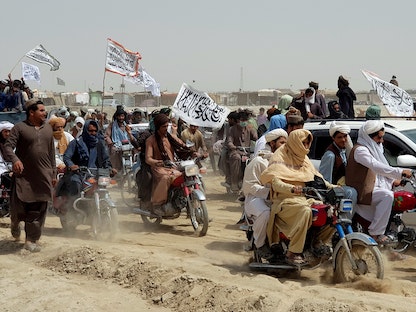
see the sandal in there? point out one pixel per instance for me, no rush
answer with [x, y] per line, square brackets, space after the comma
[295, 259]
[383, 240]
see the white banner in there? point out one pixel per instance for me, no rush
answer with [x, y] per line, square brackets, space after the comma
[197, 108]
[30, 72]
[145, 80]
[397, 101]
[39, 54]
[120, 60]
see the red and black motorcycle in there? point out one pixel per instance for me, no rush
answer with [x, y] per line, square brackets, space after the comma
[186, 194]
[401, 235]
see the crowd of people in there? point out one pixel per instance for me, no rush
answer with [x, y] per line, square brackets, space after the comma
[271, 182]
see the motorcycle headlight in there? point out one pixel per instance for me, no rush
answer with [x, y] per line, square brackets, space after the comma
[191, 170]
[345, 205]
[104, 181]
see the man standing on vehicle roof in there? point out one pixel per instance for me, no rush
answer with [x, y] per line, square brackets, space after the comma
[31, 149]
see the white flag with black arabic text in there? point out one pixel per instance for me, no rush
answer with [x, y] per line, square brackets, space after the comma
[397, 101]
[120, 60]
[41, 55]
[30, 72]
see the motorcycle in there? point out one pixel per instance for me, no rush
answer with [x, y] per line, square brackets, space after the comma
[186, 193]
[401, 236]
[94, 205]
[5, 189]
[352, 254]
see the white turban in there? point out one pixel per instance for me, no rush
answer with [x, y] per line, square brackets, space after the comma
[80, 119]
[275, 134]
[373, 126]
[334, 127]
[6, 125]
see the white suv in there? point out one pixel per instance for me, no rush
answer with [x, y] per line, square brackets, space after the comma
[399, 145]
[399, 140]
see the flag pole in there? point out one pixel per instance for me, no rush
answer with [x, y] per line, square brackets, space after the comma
[17, 64]
[102, 96]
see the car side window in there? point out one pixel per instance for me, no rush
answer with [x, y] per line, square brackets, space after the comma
[393, 147]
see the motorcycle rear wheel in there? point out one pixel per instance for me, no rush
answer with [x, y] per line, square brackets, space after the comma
[199, 215]
[129, 190]
[368, 259]
[105, 226]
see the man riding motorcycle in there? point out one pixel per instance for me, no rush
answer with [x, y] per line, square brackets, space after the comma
[289, 169]
[88, 151]
[162, 147]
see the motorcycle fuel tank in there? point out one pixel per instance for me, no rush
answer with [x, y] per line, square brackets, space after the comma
[404, 201]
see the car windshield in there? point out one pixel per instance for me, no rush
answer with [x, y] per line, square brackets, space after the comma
[411, 134]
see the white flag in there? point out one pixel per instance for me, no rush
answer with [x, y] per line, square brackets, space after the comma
[120, 60]
[30, 72]
[397, 101]
[197, 108]
[145, 80]
[39, 54]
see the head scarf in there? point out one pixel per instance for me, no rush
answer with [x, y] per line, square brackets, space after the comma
[333, 114]
[290, 162]
[275, 134]
[118, 135]
[119, 112]
[376, 150]
[285, 101]
[373, 112]
[89, 139]
[5, 125]
[277, 121]
[59, 135]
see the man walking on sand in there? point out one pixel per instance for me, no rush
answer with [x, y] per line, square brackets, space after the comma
[30, 148]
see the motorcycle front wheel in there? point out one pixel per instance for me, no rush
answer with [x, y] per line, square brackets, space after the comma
[105, 225]
[367, 258]
[199, 215]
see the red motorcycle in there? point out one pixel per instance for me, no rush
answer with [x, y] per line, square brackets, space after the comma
[400, 234]
[186, 194]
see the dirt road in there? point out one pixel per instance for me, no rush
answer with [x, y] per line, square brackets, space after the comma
[168, 268]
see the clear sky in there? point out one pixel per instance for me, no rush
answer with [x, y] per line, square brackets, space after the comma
[221, 45]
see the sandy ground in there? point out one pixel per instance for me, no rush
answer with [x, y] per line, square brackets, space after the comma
[168, 268]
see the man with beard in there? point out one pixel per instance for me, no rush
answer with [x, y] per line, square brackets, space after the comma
[117, 134]
[30, 148]
[160, 148]
[371, 175]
